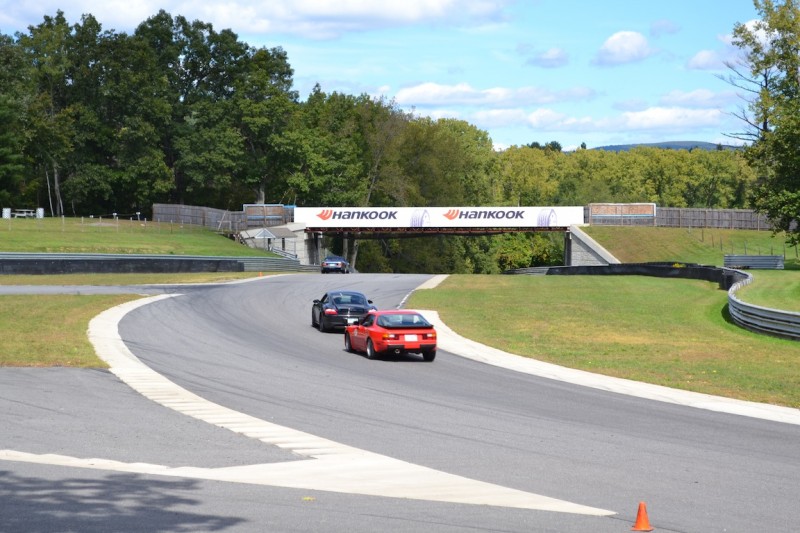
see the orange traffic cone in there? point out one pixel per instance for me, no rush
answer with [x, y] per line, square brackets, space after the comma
[642, 522]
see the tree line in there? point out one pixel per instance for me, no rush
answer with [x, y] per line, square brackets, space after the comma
[101, 122]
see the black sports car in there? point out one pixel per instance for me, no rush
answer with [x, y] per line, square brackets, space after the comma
[337, 309]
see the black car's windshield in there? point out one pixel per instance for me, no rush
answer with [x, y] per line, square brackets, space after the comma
[349, 299]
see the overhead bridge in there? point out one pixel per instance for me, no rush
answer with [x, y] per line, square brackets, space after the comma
[381, 222]
[395, 233]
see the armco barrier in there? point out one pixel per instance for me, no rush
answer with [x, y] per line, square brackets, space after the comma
[775, 322]
[763, 262]
[44, 263]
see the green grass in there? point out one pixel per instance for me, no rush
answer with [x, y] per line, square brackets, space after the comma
[84, 235]
[610, 325]
[704, 246]
[775, 289]
[51, 330]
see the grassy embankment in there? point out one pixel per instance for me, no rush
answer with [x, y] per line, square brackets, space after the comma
[605, 325]
[778, 289]
[697, 245]
[51, 330]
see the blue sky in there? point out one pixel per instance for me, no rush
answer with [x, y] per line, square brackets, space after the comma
[600, 73]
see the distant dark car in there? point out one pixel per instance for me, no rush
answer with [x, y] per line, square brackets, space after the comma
[392, 332]
[337, 309]
[335, 263]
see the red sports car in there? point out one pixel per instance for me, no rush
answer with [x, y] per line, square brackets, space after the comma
[392, 332]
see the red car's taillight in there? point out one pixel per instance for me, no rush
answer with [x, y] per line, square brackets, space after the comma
[389, 336]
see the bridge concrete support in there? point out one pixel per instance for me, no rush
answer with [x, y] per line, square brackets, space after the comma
[312, 249]
[581, 250]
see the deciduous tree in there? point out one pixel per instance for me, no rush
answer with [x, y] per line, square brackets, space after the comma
[772, 45]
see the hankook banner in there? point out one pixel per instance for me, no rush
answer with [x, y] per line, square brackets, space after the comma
[438, 217]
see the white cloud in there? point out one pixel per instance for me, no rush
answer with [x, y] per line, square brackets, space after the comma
[444, 113]
[315, 19]
[432, 94]
[552, 58]
[654, 120]
[543, 119]
[706, 60]
[495, 118]
[623, 47]
[699, 98]
[118, 15]
[728, 53]
[546, 118]
[633, 104]
[663, 27]
[669, 118]
[756, 27]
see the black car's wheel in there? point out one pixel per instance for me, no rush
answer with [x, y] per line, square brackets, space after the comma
[321, 324]
[313, 319]
[347, 346]
[371, 354]
[429, 355]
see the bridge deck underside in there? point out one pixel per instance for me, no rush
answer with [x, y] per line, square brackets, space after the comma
[383, 233]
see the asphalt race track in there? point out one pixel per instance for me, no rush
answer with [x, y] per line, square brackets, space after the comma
[81, 450]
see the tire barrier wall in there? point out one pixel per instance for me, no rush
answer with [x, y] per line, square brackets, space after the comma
[725, 277]
[41, 263]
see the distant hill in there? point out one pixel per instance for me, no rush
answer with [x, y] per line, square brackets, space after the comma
[670, 145]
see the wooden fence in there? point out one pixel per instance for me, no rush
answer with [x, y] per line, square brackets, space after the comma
[683, 217]
[674, 217]
[252, 216]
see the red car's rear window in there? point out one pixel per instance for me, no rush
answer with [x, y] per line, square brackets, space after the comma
[403, 320]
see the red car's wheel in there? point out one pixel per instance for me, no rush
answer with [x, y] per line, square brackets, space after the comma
[371, 354]
[429, 355]
[347, 346]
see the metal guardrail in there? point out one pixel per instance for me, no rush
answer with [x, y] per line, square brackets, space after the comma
[274, 264]
[775, 322]
[283, 253]
[250, 264]
[528, 270]
[763, 262]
